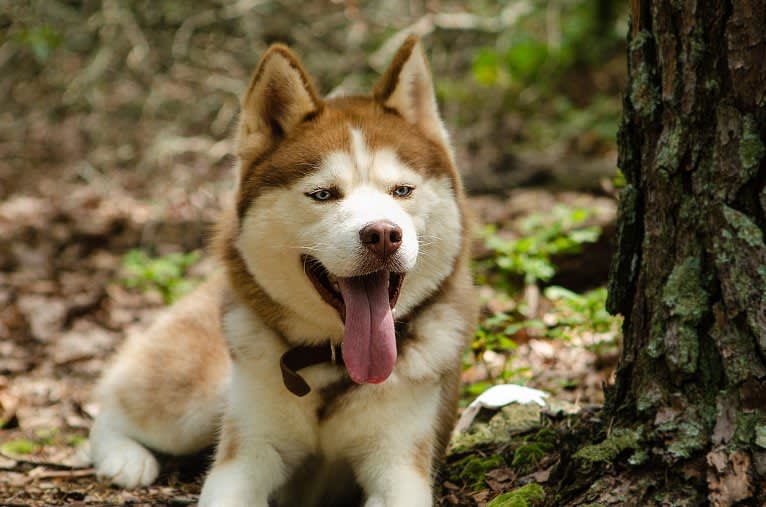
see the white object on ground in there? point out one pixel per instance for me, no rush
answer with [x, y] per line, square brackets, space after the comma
[499, 396]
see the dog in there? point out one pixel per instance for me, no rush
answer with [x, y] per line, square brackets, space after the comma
[323, 359]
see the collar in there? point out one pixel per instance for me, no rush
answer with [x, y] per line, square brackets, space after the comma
[304, 356]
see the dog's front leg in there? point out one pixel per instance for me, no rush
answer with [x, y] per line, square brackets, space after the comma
[400, 485]
[264, 437]
[394, 448]
[245, 479]
[255, 456]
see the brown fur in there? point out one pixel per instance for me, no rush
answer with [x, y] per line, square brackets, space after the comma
[196, 326]
[387, 84]
[230, 442]
[423, 457]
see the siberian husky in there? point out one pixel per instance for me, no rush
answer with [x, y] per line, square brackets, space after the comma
[324, 359]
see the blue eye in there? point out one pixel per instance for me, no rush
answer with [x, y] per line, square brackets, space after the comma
[321, 194]
[403, 191]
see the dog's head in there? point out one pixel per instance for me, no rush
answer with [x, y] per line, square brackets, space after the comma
[348, 208]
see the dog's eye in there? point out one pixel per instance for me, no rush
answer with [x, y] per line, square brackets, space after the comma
[402, 191]
[321, 194]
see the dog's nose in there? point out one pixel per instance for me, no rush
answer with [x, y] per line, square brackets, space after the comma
[382, 238]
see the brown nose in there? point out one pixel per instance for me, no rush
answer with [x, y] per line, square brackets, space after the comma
[382, 238]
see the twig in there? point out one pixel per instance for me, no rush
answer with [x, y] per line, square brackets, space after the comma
[186, 30]
[69, 474]
[49, 464]
[449, 21]
[114, 13]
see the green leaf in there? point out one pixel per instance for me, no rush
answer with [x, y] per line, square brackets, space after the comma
[485, 67]
[19, 446]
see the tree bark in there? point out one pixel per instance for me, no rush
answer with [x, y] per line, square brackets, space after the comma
[689, 274]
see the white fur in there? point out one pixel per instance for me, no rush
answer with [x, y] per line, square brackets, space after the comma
[376, 429]
[278, 430]
[295, 224]
[117, 457]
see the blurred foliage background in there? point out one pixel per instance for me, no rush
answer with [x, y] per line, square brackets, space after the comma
[529, 88]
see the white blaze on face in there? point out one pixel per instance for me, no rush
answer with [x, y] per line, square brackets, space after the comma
[283, 224]
[365, 179]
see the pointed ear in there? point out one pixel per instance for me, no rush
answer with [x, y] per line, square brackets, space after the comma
[407, 87]
[279, 97]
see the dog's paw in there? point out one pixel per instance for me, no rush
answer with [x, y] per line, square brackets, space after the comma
[127, 464]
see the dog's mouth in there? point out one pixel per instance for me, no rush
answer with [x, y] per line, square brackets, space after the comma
[365, 304]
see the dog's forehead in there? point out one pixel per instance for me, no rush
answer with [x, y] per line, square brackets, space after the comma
[360, 163]
[379, 132]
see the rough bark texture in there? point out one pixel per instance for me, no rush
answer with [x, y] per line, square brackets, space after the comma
[690, 272]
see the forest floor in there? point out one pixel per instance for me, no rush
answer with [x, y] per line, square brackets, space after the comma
[114, 162]
[68, 301]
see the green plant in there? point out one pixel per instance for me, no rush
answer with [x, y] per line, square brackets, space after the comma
[41, 41]
[165, 274]
[548, 39]
[574, 312]
[19, 446]
[562, 231]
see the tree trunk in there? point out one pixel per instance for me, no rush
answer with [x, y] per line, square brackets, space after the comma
[690, 271]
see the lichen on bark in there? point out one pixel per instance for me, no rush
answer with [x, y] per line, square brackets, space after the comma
[686, 298]
[751, 148]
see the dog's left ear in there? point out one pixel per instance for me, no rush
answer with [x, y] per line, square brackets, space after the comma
[407, 87]
[280, 97]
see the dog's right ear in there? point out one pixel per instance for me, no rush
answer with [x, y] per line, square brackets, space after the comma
[279, 97]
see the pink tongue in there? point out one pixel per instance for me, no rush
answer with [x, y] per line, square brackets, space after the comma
[369, 341]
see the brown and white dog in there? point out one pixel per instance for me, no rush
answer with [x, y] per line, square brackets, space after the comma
[345, 257]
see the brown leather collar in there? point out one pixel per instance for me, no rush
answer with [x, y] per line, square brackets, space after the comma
[304, 356]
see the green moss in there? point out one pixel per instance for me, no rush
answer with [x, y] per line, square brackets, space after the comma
[471, 469]
[643, 92]
[760, 435]
[535, 447]
[751, 428]
[511, 419]
[745, 228]
[737, 252]
[687, 300]
[751, 148]
[650, 394]
[690, 437]
[525, 496]
[670, 146]
[620, 440]
[639, 457]
[737, 350]
[684, 293]
[640, 40]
